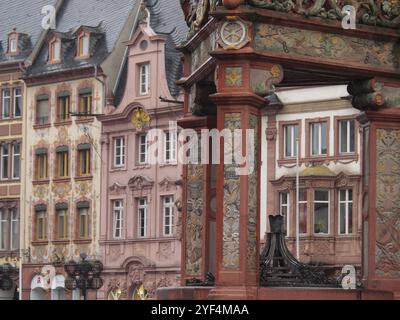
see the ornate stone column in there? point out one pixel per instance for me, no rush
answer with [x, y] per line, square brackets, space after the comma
[196, 210]
[381, 182]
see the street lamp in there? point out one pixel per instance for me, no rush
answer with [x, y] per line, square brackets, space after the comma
[6, 271]
[83, 275]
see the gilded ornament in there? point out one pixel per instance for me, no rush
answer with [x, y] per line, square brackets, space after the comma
[140, 118]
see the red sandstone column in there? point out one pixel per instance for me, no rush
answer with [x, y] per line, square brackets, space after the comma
[196, 210]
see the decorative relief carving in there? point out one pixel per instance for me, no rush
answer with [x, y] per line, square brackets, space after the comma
[384, 13]
[271, 134]
[308, 43]
[41, 192]
[252, 203]
[233, 76]
[387, 257]
[61, 190]
[231, 205]
[194, 219]
[263, 81]
[140, 182]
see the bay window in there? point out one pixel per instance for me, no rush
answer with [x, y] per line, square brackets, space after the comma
[284, 209]
[302, 211]
[346, 211]
[321, 212]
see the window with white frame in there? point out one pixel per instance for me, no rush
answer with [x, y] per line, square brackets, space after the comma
[290, 133]
[119, 152]
[142, 217]
[284, 209]
[4, 157]
[168, 214]
[346, 136]
[3, 229]
[143, 148]
[83, 45]
[17, 111]
[346, 211]
[13, 44]
[319, 139]
[16, 160]
[170, 147]
[6, 103]
[118, 209]
[321, 212]
[144, 79]
[55, 50]
[14, 232]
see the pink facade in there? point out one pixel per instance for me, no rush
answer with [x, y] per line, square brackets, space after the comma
[140, 202]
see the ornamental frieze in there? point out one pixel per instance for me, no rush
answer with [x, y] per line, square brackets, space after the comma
[387, 256]
[331, 47]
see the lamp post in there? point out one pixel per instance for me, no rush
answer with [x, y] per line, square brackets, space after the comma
[6, 271]
[84, 275]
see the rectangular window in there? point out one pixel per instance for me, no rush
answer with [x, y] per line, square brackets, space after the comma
[85, 103]
[346, 211]
[3, 230]
[40, 225]
[62, 164]
[6, 104]
[17, 102]
[119, 152]
[84, 162]
[168, 209]
[290, 144]
[83, 222]
[83, 46]
[144, 77]
[13, 45]
[346, 136]
[42, 110]
[16, 163]
[143, 147]
[118, 209]
[4, 155]
[55, 48]
[285, 209]
[62, 224]
[142, 217]
[14, 240]
[302, 211]
[170, 147]
[63, 108]
[319, 139]
[41, 163]
[321, 212]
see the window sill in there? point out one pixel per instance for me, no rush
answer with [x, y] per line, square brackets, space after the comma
[82, 241]
[83, 178]
[322, 159]
[58, 242]
[37, 243]
[168, 164]
[10, 181]
[113, 169]
[39, 182]
[41, 126]
[8, 120]
[61, 180]
[84, 120]
[62, 123]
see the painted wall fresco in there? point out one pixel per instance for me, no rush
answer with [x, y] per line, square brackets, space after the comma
[252, 203]
[231, 208]
[387, 257]
[293, 41]
[194, 219]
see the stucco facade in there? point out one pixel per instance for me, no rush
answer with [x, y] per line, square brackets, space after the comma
[140, 200]
[51, 193]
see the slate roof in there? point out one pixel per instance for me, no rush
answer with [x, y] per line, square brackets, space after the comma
[166, 17]
[26, 17]
[106, 20]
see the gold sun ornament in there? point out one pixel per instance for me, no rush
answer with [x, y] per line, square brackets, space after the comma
[140, 118]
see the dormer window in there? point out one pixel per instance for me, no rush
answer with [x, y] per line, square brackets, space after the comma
[83, 45]
[55, 51]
